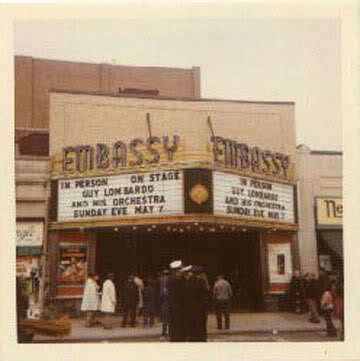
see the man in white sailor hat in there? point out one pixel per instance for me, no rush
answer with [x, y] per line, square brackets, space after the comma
[176, 265]
[176, 297]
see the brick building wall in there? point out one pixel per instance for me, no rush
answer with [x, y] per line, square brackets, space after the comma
[34, 78]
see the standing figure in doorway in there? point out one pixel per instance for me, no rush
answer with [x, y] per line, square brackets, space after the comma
[91, 300]
[311, 294]
[296, 292]
[176, 297]
[222, 294]
[108, 300]
[164, 303]
[130, 302]
[196, 305]
[323, 281]
[150, 301]
[140, 285]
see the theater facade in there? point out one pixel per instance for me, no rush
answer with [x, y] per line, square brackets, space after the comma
[137, 182]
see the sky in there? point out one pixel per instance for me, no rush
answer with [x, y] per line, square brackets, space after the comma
[246, 59]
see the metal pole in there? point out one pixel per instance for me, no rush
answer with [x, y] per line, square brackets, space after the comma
[210, 126]
[148, 124]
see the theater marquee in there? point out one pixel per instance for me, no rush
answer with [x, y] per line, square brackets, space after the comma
[249, 198]
[127, 195]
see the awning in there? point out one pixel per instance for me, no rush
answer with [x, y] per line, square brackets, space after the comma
[334, 240]
[29, 251]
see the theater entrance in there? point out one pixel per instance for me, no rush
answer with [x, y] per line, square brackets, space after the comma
[235, 254]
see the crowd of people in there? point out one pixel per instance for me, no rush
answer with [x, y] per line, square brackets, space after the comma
[180, 297]
[318, 296]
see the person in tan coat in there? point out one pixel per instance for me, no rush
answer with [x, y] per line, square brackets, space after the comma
[327, 307]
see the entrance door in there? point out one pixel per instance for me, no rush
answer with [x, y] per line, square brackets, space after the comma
[236, 255]
[115, 253]
[239, 260]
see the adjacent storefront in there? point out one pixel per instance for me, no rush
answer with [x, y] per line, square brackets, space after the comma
[329, 211]
[152, 183]
[29, 250]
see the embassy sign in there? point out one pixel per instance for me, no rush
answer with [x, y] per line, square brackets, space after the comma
[232, 154]
[138, 152]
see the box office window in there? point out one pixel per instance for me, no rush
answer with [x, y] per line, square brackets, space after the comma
[279, 259]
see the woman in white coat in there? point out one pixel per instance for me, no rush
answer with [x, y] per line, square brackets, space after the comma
[108, 300]
[91, 299]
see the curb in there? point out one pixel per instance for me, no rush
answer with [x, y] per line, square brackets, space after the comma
[152, 336]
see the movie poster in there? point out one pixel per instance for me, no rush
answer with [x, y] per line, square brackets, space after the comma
[72, 264]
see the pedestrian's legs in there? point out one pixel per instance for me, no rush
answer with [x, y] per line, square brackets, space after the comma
[88, 319]
[132, 316]
[330, 328]
[152, 316]
[226, 311]
[107, 321]
[218, 312]
[297, 303]
[314, 316]
[165, 329]
[125, 316]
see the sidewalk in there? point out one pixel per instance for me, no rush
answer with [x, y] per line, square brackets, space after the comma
[240, 322]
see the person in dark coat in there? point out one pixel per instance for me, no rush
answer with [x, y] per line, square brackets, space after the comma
[164, 302]
[176, 297]
[150, 303]
[323, 282]
[130, 301]
[296, 292]
[311, 294]
[196, 305]
[22, 304]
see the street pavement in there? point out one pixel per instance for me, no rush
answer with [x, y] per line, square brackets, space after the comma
[245, 327]
[299, 336]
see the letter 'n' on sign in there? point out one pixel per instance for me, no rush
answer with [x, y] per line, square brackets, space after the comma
[329, 212]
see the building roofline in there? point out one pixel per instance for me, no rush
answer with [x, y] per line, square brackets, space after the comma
[106, 63]
[159, 97]
[326, 152]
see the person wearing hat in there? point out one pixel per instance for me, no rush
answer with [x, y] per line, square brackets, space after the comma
[108, 300]
[196, 305]
[176, 299]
